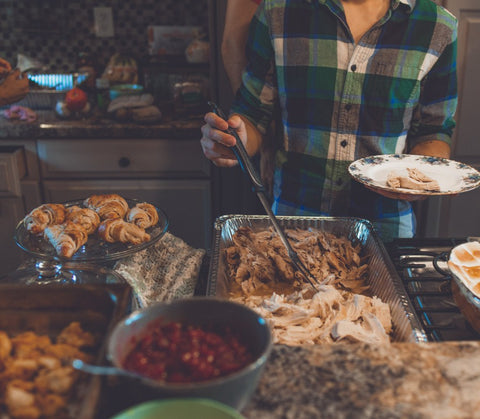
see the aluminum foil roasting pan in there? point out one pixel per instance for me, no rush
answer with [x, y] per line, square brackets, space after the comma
[383, 279]
[47, 309]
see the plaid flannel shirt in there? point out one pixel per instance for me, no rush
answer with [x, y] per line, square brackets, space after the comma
[342, 101]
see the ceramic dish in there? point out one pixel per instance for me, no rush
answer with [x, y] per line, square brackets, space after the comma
[453, 177]
[46, 310]
[233, 389]
[464, 264]
[180, 409]
[464, 261]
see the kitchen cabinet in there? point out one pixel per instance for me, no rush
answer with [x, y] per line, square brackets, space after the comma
[11, 211]
[19, 191]
[458, 216]
[170, 173]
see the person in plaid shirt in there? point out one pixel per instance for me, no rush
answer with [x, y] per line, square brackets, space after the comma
[353, 78]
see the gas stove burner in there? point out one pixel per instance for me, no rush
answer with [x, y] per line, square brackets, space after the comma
[422, 265]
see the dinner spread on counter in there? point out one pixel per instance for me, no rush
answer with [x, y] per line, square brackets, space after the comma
[67, 228]
[355, 299]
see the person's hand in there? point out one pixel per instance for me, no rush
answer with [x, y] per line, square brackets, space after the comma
[13, 88]
[5, 67]
[398, 195]
[216, 144]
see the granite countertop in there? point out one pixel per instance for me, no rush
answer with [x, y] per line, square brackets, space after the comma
[355, 381]
[401, 380]
[48, 125]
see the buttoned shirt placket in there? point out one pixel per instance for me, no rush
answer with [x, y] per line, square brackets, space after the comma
[344, 145]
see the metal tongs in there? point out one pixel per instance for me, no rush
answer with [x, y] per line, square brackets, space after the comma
[258, 187]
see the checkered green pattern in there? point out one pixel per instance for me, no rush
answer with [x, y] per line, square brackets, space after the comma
[342, 101]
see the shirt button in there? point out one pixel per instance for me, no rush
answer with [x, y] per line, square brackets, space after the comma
[344, 143]
[353, 67]
[339, 181]
[348, 106]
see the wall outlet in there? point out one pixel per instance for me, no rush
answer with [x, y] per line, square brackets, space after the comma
[103, 22]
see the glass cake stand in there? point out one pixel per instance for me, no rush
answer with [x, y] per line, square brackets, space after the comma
[87, 265]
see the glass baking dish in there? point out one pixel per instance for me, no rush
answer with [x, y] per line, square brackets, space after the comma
[47, 309]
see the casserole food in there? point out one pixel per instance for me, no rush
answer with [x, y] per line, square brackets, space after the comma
[47, 310]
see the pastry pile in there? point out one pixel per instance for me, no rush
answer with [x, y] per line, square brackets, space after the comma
[109, 216]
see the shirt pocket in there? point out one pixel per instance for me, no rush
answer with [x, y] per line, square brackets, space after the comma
[391, 93]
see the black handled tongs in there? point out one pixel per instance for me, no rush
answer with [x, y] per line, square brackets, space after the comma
[258, 187]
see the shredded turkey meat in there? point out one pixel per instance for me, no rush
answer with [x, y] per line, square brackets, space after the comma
[329, 315]
[261, 276]
[415, 180]
[259, 263]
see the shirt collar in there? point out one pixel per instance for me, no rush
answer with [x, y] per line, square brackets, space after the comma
[410, 4]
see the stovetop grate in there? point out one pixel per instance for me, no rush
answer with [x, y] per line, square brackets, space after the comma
[422, 267]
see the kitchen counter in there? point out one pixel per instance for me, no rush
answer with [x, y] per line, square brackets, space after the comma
[358, 381]
[402, 380]
[48, 125]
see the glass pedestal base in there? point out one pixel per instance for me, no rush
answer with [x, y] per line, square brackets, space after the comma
[49, 272]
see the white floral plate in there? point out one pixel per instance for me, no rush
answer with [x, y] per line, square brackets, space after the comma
[453, 177]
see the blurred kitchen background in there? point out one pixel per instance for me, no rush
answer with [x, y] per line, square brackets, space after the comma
[157, 161]
[58, 36]
[56, 31]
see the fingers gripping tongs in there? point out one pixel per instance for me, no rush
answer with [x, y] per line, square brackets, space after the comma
[258, 187]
